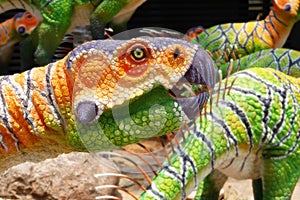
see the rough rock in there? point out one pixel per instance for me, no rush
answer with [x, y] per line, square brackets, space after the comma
[68, 176]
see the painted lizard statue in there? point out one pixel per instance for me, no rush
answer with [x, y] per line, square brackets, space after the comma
[254, 125]
[277, 58]
[48, 107]
[74, 104]
[240, 39]
[62, 16]
[13, 31]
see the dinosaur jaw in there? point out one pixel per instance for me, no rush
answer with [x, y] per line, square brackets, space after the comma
[193, 89]
[191, 97]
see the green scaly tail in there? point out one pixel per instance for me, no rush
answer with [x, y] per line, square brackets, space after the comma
[285, 60]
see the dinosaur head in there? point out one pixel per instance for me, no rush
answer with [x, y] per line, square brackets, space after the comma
[193, 32]
[25, 23]
[288, 6]
[108, 73]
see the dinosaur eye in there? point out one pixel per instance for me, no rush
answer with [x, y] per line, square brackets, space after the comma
[21, 30]
[287, 7]
[138, 53]
[134, 57]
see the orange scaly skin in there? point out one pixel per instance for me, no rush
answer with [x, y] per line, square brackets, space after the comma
[42, 110]
[16, 28]
[13, 31]
[240, 39]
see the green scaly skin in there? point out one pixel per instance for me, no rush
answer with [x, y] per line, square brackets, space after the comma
[252, 133]
[228, 41]
[285, 60]
[61, 16]
[94, 138]
[240, 39]
[58, 108]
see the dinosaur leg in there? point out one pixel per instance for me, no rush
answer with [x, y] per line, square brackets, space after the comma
[49, 38]
[104, 14]
[257, 189]
[209, 188]
[27, 48]
[56, 21]
[119, 27]
[280, 176]
[119, 22]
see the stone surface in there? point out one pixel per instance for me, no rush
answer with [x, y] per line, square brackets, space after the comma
[68, 176]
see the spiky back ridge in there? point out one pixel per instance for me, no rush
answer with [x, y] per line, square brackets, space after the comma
[261, 118]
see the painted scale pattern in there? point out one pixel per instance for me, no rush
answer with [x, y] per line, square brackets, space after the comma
[252, 132]
[284, 60]
[240, 39]
[49, 104]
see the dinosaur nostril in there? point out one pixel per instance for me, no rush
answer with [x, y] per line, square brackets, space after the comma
[86, 111]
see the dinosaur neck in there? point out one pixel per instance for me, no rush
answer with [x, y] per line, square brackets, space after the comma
[206, 141]
[35, 107]
[7, 33]
[279, 26]
[209, 142]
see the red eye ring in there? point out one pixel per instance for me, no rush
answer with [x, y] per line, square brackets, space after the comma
[138, 53]
[134, 58]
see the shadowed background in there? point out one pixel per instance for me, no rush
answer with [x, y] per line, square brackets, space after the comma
[182, 15]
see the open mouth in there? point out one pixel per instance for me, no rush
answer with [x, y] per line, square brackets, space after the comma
[192, 91]
[186, 90]
[192, 97]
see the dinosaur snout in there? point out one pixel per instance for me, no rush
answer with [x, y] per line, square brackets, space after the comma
[86, 111]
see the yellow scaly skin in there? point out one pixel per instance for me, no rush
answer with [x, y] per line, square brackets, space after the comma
[240, 39]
